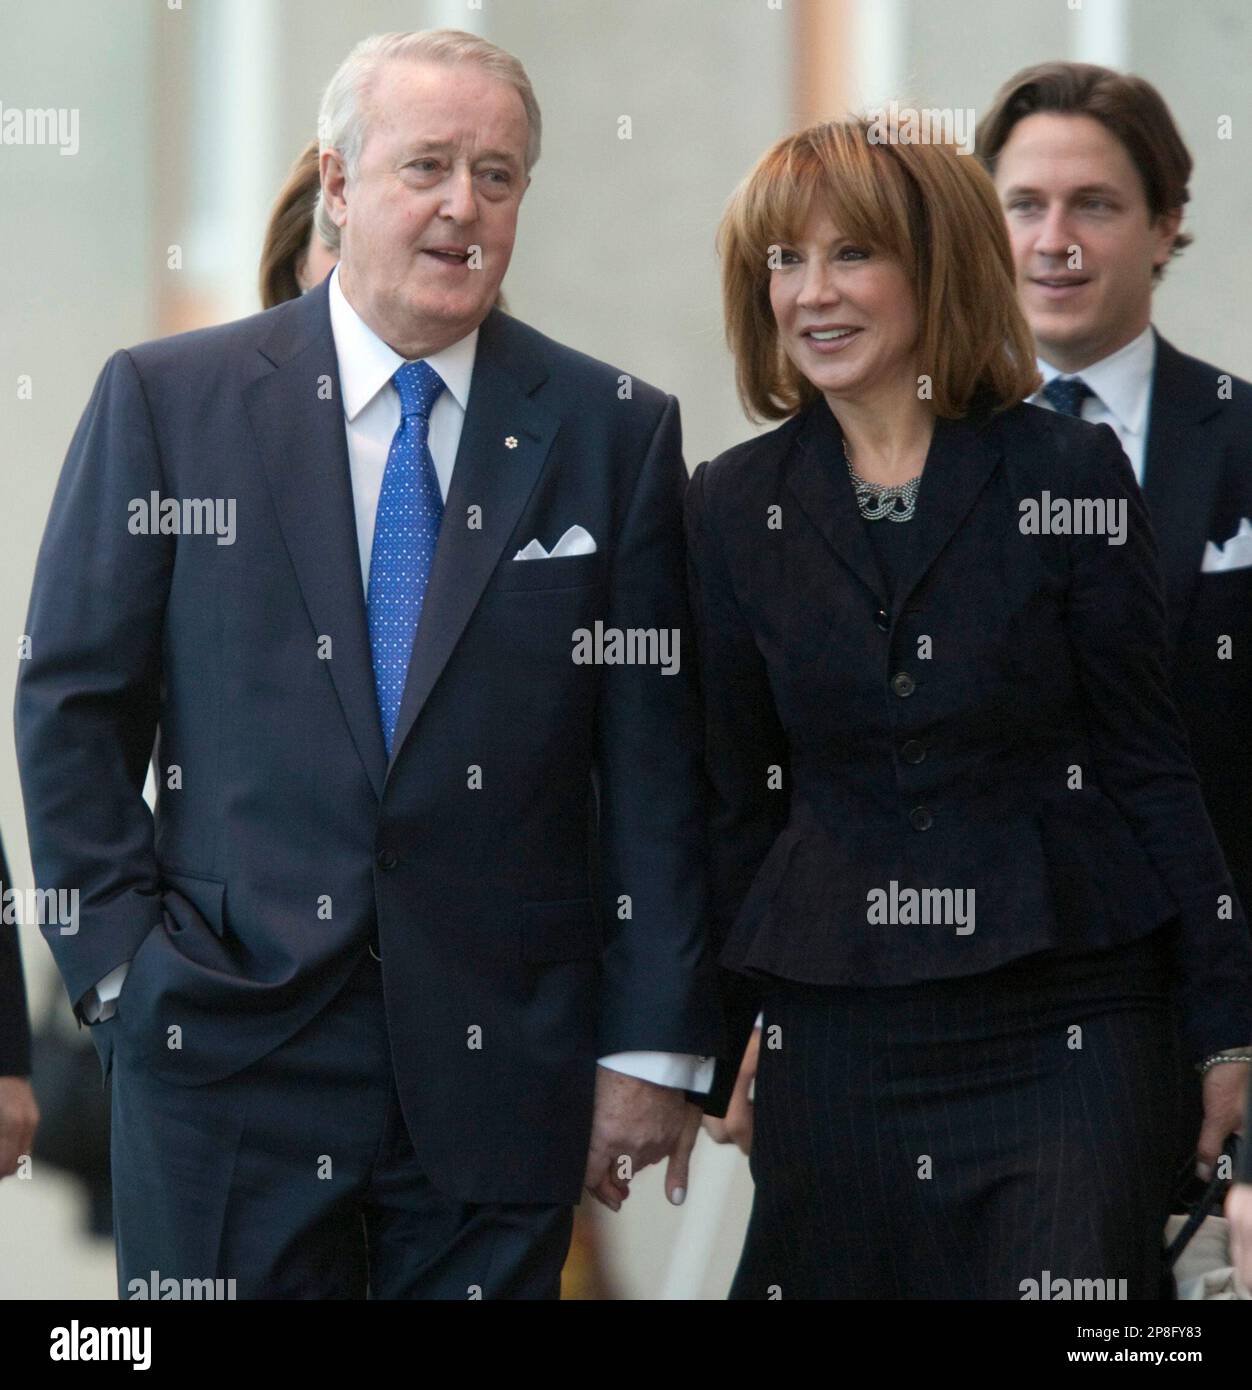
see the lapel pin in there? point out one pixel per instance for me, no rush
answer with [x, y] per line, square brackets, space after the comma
[510, 441]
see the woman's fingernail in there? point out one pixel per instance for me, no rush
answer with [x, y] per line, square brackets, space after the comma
[678, 1196]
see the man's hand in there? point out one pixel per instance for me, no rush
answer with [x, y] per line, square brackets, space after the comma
[19, 1118]
[641, 1123]
[737, 1126]
[1225, 1086]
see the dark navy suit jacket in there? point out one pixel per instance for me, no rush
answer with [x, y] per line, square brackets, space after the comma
[14, 1024]
[931, 741]
[1197, 482]
[512, 956]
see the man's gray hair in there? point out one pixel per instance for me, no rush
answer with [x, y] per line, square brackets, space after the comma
[343, 116]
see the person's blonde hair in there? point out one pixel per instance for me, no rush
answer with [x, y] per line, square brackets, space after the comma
[931, 209]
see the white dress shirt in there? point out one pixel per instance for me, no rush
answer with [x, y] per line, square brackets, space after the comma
[1122, 383]
[371, 408]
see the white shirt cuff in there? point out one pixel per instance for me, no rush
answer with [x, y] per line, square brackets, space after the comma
[98, 1004]
[683, 1070]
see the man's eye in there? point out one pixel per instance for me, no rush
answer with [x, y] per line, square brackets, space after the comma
[1100, 204]
[1021, 204]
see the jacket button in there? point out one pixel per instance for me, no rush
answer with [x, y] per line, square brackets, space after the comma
[903, 684]
[920, 818]
[883, 619]
[387, 859]
[913, 751]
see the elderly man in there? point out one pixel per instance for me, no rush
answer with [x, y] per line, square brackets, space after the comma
[414, 868]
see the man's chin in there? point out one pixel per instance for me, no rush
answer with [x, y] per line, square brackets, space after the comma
[449, 308]
[1059, 333]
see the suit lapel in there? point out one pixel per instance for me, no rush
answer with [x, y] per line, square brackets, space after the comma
[299, 426]
[491, 475]
[960, 460]
[817, 477]
[1181, 468]
[962, 457]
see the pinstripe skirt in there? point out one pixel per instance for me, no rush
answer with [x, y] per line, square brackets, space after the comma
[961, 1138]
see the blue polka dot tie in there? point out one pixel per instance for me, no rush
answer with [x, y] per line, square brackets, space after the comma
[1066, 394]
[406, 527]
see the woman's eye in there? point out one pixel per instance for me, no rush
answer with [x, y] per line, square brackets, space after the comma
[853, 253]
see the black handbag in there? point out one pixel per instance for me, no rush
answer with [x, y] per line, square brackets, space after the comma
[1197, 1201]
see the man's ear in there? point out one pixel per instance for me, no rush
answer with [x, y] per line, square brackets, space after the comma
[1167, 225]
[334, 186]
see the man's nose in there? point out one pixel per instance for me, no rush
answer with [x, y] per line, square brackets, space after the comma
[459, 203]
[1055, 236]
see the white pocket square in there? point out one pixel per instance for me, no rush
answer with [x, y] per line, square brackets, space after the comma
[1235, 554]
[576, 541]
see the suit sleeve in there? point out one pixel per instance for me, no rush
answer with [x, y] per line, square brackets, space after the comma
[743, 739]
[14, 1023]
[658, 992]
[89, 695]
[1116, 618]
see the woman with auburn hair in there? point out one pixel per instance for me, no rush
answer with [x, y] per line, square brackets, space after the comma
[300, 247]
[958, 855]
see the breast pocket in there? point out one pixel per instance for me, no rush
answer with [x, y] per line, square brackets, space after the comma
[565, 572]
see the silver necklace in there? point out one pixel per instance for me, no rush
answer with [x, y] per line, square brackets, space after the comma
[876, 500]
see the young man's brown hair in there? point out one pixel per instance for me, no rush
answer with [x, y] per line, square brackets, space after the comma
[1129, 108]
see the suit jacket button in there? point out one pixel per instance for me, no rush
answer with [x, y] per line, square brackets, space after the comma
[920, 818]
[387, 859]
[903, 684]
[883, 619]
[913, 751]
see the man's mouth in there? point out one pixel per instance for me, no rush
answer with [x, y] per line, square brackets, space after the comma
[450, 255]
[1059, 285]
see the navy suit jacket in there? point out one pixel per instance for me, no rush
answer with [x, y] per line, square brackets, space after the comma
[931, 740]
[284, 836]
[1197, 482]
[14, 1024]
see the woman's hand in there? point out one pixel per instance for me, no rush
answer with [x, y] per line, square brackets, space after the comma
[1225, 1086]
[737, 1126]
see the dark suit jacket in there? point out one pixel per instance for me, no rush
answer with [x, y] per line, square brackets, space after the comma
[1197, 482]
[14, 1024]
[952, 769]
[247, 903]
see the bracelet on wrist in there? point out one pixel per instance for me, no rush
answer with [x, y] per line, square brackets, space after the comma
[1230, 1054]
